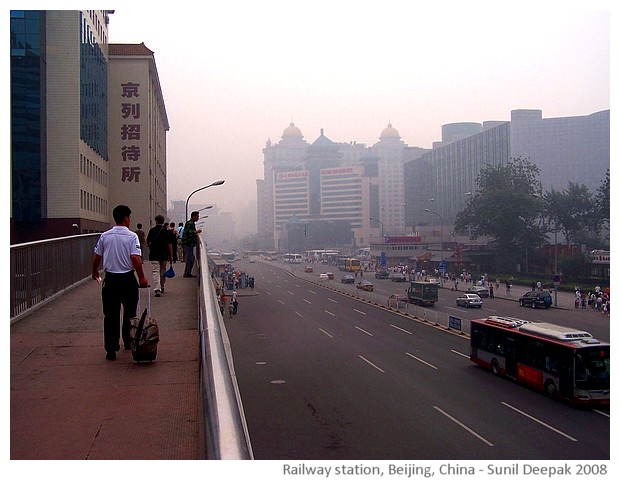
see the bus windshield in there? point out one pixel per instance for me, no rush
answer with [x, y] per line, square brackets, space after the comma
[592, 368]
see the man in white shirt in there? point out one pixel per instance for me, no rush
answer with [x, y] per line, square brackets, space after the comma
[119, 251]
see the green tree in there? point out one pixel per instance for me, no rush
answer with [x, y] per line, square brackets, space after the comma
[572, 211]
[507, 208]
[602, 200]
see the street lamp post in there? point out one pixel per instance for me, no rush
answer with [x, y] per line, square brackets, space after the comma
[380, 223]
[440, 231]
[214, 184]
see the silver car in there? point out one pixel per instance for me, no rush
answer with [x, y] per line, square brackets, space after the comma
[469, 300]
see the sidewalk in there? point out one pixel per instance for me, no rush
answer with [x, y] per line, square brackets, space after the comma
[565, 299]
[69, 403]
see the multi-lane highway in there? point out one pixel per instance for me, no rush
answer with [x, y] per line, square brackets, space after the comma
[325, 376]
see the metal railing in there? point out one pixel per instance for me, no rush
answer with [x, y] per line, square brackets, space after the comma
[226, 433]
[43, 269]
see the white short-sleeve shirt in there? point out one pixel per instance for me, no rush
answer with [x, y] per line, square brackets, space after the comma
[116, 246]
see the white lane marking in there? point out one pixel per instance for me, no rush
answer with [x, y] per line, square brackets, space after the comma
[268, 293]
[281, 302]
[325, 333]
[359, 311]
[540, 422]
[454, 308]
[401, 329]
[307, 301]
[299, 314]
[330, 313]
[462, 425]
[460, 353]
[290, 292]
[421, 361]
[332, 300]
[364, 331]
[371, 364]
[312, 292]
[601, 413]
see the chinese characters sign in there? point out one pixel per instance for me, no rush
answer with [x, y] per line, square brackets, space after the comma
[130, 132]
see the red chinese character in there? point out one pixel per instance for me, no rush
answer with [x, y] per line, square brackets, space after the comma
[130, 109]
[130, 153]
[130, 132]
[131, 174]
[130, 89]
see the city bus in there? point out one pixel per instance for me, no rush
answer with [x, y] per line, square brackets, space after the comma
[292, 257]
[352, 265]
[560, 361]
[349, 264]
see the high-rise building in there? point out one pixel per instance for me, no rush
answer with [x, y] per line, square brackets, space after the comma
[137, 135]
[575, 149]
[67, 160]
[360, 190]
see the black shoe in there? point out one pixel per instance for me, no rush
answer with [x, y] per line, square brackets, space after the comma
[189, 275]
[128, 346]
[110, 356]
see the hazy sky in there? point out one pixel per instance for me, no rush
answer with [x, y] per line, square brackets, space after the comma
[235, 73]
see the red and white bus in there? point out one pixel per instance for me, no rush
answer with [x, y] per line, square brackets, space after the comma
[562, 362]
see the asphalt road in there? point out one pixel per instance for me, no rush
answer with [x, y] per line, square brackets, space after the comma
[326, 376]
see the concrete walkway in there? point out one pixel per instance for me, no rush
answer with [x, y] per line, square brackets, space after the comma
[69, 403]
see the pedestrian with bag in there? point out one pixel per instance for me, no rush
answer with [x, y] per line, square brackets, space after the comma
[190, 241]
[118, 250]
[159, 240]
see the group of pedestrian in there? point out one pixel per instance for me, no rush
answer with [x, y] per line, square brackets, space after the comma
[120, 252]
[224, 301]
[596, 300]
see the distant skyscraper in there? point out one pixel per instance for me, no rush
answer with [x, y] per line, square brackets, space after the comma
[565, 149]
[331, 182]
[69, 165]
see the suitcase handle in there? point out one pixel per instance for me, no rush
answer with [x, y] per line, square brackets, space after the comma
[140, 298]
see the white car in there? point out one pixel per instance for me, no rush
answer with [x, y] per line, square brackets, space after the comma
[469, 300]
[324, 276]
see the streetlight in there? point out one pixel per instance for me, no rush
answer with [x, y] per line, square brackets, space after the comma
[440, 231]
[380, 223]
[214, 184]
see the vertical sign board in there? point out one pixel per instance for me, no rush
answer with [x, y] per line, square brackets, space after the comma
[383, 261]
[130, 132]
[455, 323]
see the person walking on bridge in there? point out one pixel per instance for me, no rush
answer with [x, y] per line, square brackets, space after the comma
[190, 241]
[119, 251]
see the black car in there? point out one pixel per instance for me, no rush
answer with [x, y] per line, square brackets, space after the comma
[347, 279]
[536, 299]
[382, 274]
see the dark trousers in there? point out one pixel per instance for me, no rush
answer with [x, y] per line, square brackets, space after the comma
[188, 253]
[119, 289]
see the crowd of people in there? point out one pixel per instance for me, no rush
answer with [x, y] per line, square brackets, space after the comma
[597, 299]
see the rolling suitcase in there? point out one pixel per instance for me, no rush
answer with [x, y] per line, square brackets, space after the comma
[144, 333]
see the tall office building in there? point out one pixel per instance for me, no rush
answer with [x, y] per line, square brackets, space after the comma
[565, 149]
[64, 175]
[137, 136]
[329, 187]
[358, 189]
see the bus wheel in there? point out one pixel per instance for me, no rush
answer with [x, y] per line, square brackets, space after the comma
[550, 388]
[495, 367]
